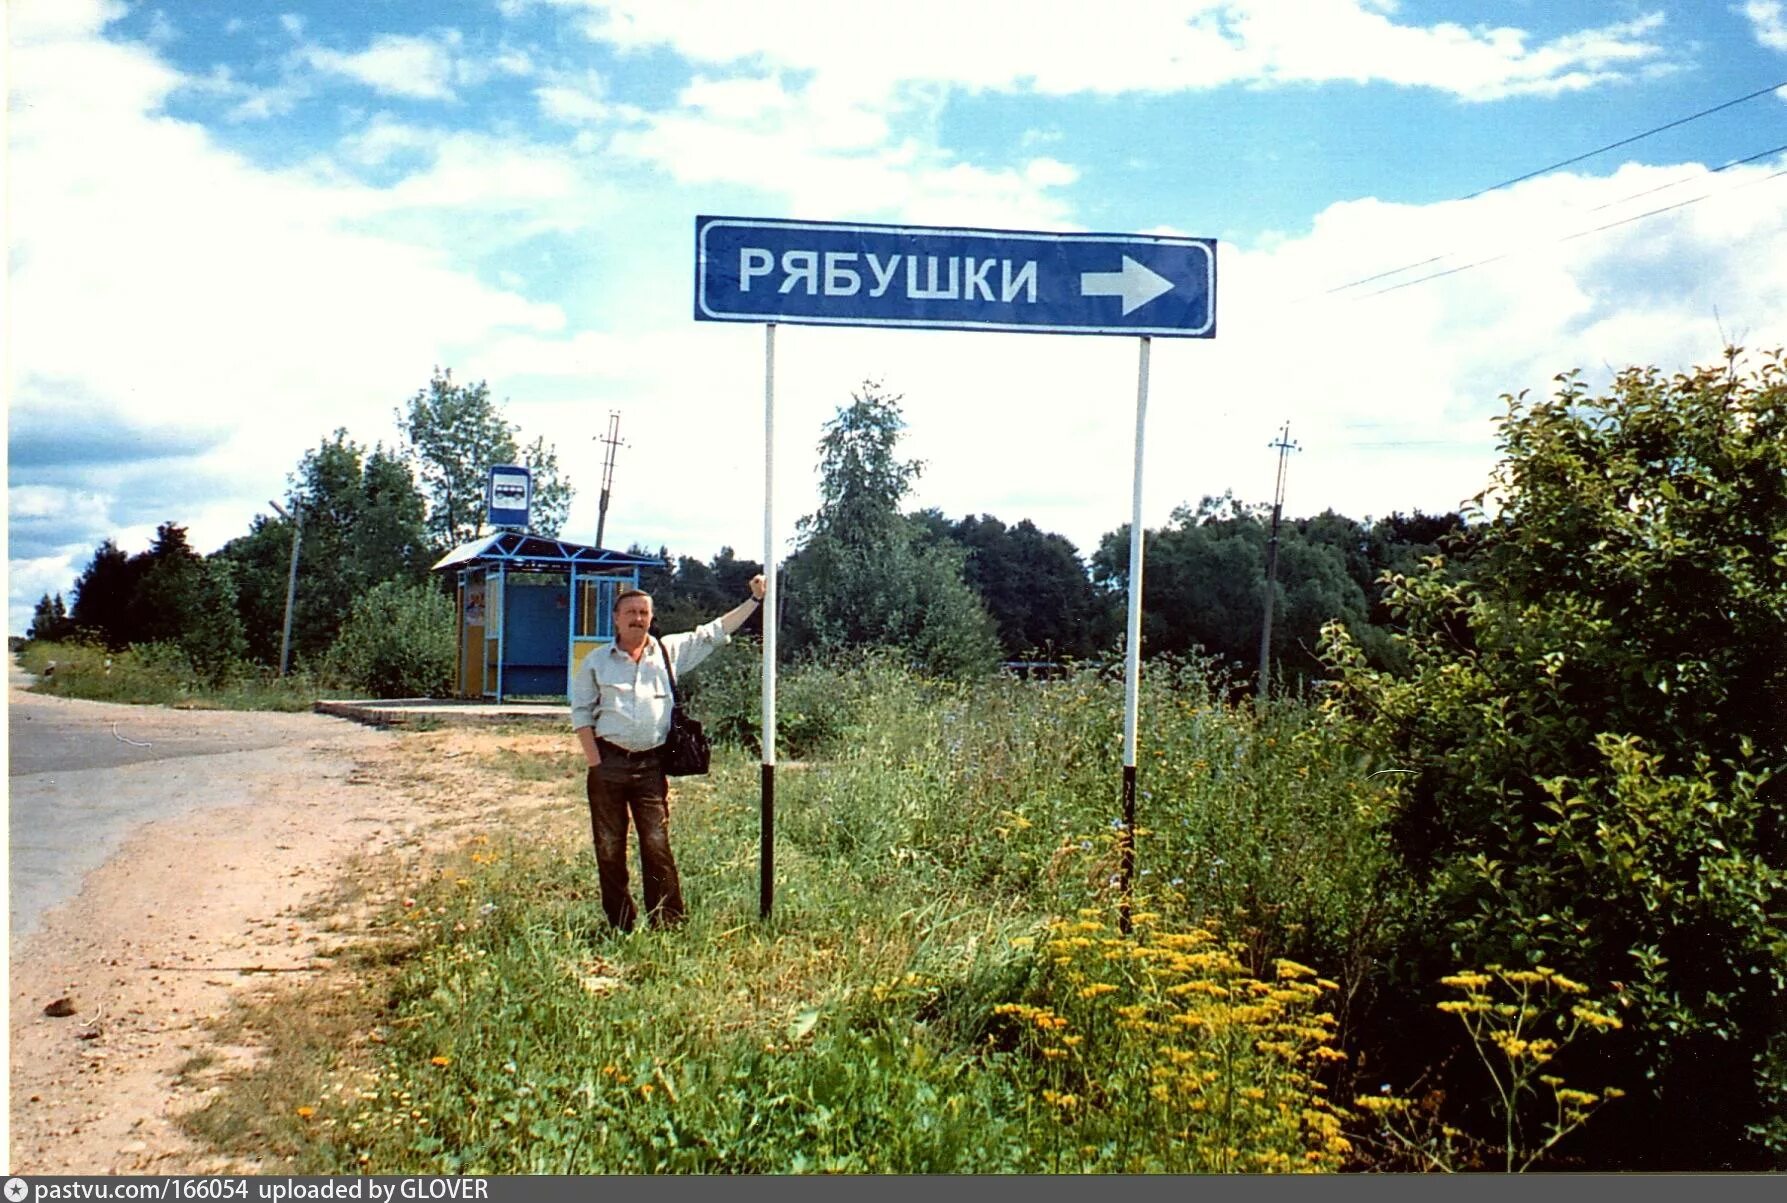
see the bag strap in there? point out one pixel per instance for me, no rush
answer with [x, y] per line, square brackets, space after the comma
[668, 671]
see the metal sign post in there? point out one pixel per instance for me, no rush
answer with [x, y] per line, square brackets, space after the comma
[769, 270]
[766, 885]
[1132, 653]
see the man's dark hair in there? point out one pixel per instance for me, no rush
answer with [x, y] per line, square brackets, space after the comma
[624, 594]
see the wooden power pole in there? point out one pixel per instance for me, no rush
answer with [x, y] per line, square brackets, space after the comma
[291, 580]
[612, 439]
[1285, 447]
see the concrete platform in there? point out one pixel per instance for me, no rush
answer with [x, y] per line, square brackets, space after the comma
[397, 712]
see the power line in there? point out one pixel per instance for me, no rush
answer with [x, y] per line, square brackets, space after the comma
[1565, 163]
[1627, 141]
[1452, 271]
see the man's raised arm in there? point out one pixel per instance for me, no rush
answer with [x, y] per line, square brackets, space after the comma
[734, 618]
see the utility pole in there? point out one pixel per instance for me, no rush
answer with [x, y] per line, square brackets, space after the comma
[612, 439]
[1285, 446]
[291, 581]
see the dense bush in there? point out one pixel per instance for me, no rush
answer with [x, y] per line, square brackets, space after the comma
[821, 706]
[398, 642]
[1586, 754]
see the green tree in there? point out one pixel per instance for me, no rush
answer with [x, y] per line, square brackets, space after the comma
[1034, 586]
[1590, 743]
[732, 576]
[453, 434]
[1204, 587]
[361, 519]
[168, 587]
[50, 622]
[166, 595]
[213, 639]
[102, 597]
[862, 577]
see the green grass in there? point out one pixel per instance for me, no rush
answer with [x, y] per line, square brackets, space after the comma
[876, 1022]
[156, 675]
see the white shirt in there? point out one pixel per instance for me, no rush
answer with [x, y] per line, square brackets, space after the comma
[628, 701]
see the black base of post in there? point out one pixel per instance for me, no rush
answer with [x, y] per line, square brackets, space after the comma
[1126, 848]
[766, 885]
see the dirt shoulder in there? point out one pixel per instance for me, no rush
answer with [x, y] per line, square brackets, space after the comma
[199, 912]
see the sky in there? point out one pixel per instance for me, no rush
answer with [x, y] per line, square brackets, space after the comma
[234, 228]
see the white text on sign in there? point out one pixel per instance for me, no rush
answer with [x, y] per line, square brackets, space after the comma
[922, 277]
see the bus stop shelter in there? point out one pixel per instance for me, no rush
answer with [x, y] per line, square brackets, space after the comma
[530, 608]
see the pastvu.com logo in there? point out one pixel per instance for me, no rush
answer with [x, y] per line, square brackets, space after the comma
[16, 1190]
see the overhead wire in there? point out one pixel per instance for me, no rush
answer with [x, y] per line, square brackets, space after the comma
[1452, 271]
[1432, 259]
[1628, 141]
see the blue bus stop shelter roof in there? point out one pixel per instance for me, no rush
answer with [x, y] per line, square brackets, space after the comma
[520, 550]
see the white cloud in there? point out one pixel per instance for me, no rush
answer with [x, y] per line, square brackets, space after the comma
[250, 102]
[836, 107]
[1162, 45]
[420, 68]
[399, 65]
[47, 501]
[1050, 173]
[827, 151]
[158, 278]
[575, 100]
[513, 62]
[1769, 21]
[34, 22]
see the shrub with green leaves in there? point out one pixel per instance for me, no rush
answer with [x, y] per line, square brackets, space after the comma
[1587, 752]
[398, 642]
[820, 704]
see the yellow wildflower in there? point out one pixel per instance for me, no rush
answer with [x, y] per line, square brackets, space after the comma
[1594, 1018]
[1466, 981]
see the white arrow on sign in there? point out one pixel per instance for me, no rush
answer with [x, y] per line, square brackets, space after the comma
[1136, 284]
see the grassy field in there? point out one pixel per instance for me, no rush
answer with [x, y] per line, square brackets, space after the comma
[942, 987]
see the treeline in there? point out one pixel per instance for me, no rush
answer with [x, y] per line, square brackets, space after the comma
[961, 595]
[958, 596]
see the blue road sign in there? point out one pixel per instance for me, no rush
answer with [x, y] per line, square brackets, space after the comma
[834, 273]
[509, 495]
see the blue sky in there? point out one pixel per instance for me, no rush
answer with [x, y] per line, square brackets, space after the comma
[233, 228]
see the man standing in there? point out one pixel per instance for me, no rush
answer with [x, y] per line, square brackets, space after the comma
[620, 710]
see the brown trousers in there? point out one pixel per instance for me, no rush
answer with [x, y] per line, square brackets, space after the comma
[617, 789]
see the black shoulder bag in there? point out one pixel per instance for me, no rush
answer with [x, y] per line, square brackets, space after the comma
[685, 749]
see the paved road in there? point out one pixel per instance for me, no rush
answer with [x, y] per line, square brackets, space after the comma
[48, 735]
[82, 777]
